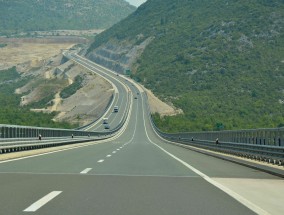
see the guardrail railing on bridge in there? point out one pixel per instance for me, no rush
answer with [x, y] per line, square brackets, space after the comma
[261, 144]
[15, 138]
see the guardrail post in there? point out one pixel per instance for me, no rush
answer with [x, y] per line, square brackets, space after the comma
[22, 132]
[9, 132]
[2, 132]
[16, 132]
[6, 132]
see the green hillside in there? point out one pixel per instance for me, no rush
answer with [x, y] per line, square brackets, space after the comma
[12, 113]
[220, 61]
[36, 15]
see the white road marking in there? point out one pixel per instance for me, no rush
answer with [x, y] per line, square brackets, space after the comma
[100, 161]
[231, 193]
[114, 152]
[108, 156]
[38, 204]
[117, 149]
[120, 147]
[85, 171]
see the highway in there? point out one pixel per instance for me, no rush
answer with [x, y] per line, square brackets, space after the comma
[120, 95]
[135, 172]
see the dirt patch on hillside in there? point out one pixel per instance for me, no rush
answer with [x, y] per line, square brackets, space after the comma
[156, 105]
[88, 103]
[160, 107]
[51, 73]
[79, 33]
[31, 54]
[84, 106]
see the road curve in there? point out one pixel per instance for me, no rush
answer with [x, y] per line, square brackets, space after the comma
[136, 172]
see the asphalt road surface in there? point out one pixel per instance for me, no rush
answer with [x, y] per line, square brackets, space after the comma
[135, 173]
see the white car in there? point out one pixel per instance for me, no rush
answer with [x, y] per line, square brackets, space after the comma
[105, 120]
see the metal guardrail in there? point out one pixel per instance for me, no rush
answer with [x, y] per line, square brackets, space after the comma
[12, 137]
[260, 144]
[31, 145]
[263, 136]
[15, 138]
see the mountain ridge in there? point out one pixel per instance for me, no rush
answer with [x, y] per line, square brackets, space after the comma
[220, 61]
[38, 15]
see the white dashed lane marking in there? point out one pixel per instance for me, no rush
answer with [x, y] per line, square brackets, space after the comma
[114, 152]
[44, 200]
[85, 171]
[108, 156]
[100, 161]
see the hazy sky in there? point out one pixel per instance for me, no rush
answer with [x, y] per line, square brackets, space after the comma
[136, 2]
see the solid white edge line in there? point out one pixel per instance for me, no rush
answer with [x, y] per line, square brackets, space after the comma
[44, 200]
[231, 193]
[85, 171]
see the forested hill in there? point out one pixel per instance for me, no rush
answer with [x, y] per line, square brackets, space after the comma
[34, 15]
[220, 61]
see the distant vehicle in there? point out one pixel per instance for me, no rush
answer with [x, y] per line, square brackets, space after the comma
[105, 120]
[137, 93]
[115, 109]
[135, 97]
[107, 126]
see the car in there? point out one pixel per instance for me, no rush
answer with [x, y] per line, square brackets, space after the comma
[115, 109]
[107, 126]
[105, 120]
[135, 97]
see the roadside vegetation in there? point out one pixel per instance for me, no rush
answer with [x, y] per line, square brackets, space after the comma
[220, 61]
[72, 88]
[12, 113]
[2, 45]
[47, 90]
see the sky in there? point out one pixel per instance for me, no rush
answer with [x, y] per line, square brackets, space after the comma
[136, 2]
